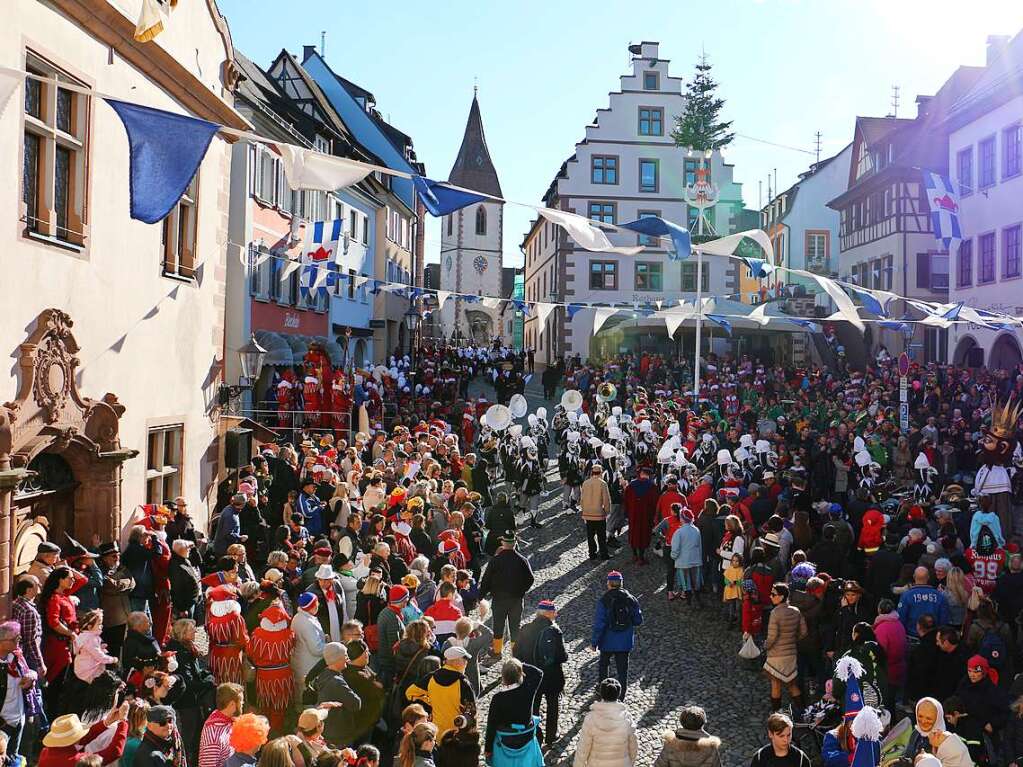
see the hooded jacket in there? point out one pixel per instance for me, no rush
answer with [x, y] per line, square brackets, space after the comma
[891, 636]
[448, 694]
[608, 737]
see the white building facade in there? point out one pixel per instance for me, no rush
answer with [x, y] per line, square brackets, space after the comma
[118, 325]
[985, 157]
[627, 166]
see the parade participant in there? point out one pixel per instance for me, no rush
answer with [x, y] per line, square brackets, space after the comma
[228, 636]
[507, 578]
[640, 502]
[541, 644]
[215, 738]
[595, 505]
[608, 734]
[269, 649]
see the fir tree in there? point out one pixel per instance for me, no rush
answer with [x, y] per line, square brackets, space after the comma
[699, 126]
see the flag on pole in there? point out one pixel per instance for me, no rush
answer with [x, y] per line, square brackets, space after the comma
[944, 203]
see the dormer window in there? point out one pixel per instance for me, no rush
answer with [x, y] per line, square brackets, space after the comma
[651, 81]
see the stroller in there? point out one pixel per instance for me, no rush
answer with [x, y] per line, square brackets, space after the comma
[808, 730]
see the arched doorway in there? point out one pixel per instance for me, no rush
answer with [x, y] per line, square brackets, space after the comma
[968, 353]
[360, 358]
[48, 492]
[1005, 353]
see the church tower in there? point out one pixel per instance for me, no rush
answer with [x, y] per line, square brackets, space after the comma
[471, 260]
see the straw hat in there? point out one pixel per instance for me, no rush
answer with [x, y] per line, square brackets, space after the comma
[65, 731]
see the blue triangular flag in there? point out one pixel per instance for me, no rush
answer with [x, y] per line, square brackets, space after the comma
[759, 267]
[655, 226]
[718, 319]
[571, 309]
[470, 299]
[440, 199]
[953, 313]
[894, 325]
[802, 323]
[870, 303]
[521, 306]
[165, 152]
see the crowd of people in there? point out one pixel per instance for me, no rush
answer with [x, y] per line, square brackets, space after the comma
[351, 594]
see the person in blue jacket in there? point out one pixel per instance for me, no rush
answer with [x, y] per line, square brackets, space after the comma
[922, 599]
[614, 629]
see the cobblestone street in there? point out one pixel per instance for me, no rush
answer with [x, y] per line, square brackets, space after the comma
[682, 655]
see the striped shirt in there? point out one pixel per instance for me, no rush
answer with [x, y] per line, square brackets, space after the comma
[214, 742]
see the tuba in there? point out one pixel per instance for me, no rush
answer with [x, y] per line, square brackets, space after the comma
[607, 392]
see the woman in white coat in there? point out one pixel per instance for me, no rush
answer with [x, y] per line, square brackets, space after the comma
[608, 736]
[309, 639]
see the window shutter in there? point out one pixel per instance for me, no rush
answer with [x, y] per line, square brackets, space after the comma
[923, 270]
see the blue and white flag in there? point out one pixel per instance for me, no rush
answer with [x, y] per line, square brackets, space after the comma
[319, 257]
[719, 320]
[944, 203]
[439, 199]
[572, 309]
[654, 226]
[759, 267]
[165, 151]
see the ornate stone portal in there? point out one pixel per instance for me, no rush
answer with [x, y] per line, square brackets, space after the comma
[60, 453]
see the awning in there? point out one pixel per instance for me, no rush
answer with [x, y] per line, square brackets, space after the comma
[339, 330]
[334, 351]
[299, 347]
[278, 351]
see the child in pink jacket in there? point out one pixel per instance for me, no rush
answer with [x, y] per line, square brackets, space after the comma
[91, 658]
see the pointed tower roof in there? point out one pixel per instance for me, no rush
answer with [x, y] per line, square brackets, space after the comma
[473, 168]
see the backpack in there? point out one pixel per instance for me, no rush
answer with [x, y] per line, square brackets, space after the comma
[992, 647]
[619, 611]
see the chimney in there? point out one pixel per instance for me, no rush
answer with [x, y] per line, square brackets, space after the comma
[307, 52]
[923, 104]
[996, 45]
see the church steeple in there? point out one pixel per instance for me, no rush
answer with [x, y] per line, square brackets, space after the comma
[473, 168]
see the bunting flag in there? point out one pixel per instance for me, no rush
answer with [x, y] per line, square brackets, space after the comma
[360, 280]
[806, 324]
[309, 169]
[521, 306]
[759, 268]
[543, 311]
[726, 246]
[442, 296]
[491, 303]
[600, 316]
[441, 199]
[674, 320]
[583, 232]
[165, 151]
[291, 265]
[572, 309]
[759, 315]
[720, 320]
[846, 308]
[654, 226]
[874, 301]
[150, 21]
[894, 325]
[944, 203]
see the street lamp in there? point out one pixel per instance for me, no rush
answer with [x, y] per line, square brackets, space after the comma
[412, 319]
[907, 336]
[251, 357]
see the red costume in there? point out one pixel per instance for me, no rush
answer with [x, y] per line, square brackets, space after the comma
[285, 399]
[226, 629]
[269, 650]
[341, 402]
[57, 647]
[640, 501]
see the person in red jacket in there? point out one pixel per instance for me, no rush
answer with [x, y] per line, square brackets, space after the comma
[640, 501]
[160, 603]
[68, 738]
[670, 496]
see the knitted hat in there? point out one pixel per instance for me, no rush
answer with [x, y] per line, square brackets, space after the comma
[547, 605]
[356, 649]
[447, 546]
[397, 594]
[308, 602]
[614, 577]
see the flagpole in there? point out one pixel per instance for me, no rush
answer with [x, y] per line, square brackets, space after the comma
[699, 315]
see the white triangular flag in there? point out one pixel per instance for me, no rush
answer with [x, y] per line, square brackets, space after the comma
[291, 265]
[442, 296]
[307, 169]
[583, 232]
[321, 277]
[543, 311]
[673, 321]
[758, 315]
[491, 303]
[600, 316]
[360, 280]
[658, 303]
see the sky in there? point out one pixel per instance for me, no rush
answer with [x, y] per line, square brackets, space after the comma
[786, 69]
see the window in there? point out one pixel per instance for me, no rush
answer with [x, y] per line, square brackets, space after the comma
[692, 219]
[451, 220]
[986, 258]
[816, 250]
[260, 276]
[651, 121]
[1011, 152]
[268, 176]
[54, 163]
[887, 272]
[603, 212]
[481, 220]
[604, 169]
[649, 276]
[179, 234]
[651, 81]
[986, 163]
[163, 463]
[645, 239]
[964, 274]
[689, 277]
[864, 160]
[603, 275]
[690, 167]
[648, 175]
[1011, 251]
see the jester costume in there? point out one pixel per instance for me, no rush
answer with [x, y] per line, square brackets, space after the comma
[269, 649]
[226, 630]
[993, 485]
